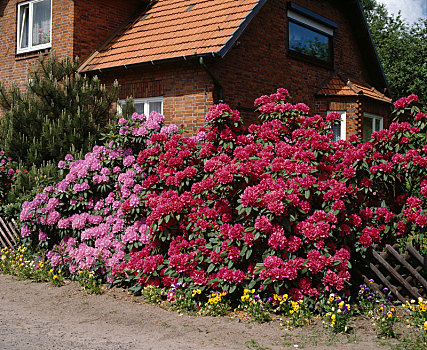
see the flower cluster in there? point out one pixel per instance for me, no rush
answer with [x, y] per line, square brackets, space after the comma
[276, 207]
[418, 312]
[338, 313]
[297, 312]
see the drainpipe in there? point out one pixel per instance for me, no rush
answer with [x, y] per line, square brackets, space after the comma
[216, 82]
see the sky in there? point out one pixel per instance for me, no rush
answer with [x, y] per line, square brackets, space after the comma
[411, 10]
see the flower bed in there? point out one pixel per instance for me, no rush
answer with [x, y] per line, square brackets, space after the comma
[278, 208]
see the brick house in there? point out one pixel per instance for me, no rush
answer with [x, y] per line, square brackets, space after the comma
[181, 56]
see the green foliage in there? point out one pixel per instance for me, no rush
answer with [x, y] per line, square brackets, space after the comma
[26, 184]
[7, 174]
[298, 313]
[59, 112]
[254, 306]
[152, 295]
[25, 264]
[338, 314]
[401, 48]
[217, 305]
[183, 300]
[128, 108]
[90, 282]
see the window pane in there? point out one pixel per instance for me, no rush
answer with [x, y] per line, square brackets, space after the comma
[41, 22]
[367, 129]
[377, 124]
[337, 132]
[155, 106]
[308, 42]
[23, 30]
[139, 107]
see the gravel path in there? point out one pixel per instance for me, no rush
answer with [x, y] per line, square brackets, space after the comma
[36, 316]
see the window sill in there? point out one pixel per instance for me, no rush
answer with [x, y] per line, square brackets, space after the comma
[31, 54]
[312, 60]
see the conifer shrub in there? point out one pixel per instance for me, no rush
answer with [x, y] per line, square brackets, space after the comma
[59, 112]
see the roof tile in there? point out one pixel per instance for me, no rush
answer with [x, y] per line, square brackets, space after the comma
[169, 31]
[337, 86]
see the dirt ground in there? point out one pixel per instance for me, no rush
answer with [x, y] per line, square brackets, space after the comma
[40, 316]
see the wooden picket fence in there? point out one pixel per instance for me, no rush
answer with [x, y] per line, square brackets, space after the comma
[8, 233]
[405, 275]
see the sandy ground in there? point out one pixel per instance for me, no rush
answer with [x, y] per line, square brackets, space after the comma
[39, 316]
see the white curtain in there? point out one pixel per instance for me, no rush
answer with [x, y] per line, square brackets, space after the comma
[41, 22]
[155, 106]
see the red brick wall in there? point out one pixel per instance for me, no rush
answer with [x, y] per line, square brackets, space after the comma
[97, 20]
[186, 89]
[258, 64]
[13, 67]
[78, 28]
[352, 107]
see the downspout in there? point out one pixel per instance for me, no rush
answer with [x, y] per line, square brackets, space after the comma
[216, 82]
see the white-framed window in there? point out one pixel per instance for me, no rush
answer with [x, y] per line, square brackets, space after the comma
[34, 27]
[145, 105]
[340, 129]
[371, 123]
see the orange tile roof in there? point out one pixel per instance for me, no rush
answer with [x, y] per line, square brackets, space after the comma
[337, 86]
[171, 29]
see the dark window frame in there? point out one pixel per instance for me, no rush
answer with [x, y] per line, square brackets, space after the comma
[329, 64]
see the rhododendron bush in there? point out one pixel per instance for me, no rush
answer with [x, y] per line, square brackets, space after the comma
[276, 207]
[7, 172]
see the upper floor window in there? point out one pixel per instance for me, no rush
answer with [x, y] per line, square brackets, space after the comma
[310, 36]
[371, 123]
[34, 25]
[145, 105]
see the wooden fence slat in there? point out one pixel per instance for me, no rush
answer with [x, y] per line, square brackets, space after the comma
[415, 254]
[7, 230]
[8, 233]
[384, 280]
[395, 274]
[3, 243]
[8, 243]
[13, 228]
[407, 265]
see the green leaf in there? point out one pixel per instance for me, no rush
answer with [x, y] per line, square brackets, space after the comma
[258, 268]
[267, 281]
[210, 268]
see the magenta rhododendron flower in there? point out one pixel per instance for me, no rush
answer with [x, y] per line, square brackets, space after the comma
[278, 206]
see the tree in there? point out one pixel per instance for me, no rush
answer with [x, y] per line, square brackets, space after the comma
[401, 48]
[59, 112]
